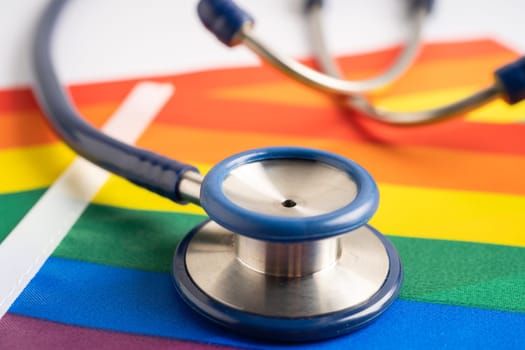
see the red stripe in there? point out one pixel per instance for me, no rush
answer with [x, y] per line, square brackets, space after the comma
[17, 99]
[332, 122]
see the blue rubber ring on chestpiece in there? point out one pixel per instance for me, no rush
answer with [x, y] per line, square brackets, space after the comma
[288, 229]
[287, 329]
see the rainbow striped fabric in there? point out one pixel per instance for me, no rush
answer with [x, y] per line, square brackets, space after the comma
[452, 202]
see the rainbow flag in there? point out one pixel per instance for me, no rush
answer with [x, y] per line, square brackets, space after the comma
[452, 200]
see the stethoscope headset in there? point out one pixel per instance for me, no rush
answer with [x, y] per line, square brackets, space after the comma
[233, 26]
[286, 253]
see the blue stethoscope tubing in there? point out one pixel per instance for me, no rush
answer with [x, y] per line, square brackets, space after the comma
[163, 176]
[152, 171]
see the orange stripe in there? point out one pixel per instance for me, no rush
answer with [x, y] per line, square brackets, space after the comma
[414, 166]
[24, 129]
[30, 128]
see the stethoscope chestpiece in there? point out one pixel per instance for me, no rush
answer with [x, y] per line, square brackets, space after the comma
[287, 254]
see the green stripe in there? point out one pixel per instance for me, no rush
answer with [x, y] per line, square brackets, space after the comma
[463, 273]
[460, 273]
[129, 238]
[13, 207]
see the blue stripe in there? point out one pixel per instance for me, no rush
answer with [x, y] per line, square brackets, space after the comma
[119, 299]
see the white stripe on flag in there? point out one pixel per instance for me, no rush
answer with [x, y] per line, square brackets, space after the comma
[33, 240]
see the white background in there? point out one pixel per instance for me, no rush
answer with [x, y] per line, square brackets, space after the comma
[108, 39]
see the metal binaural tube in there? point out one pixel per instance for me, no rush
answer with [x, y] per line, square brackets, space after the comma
[334, 82]
[401, 64]
[287, 259]
[190, 187]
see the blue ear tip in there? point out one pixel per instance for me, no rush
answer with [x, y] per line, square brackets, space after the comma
[223, 18]
[309, 4]
[428, 5]
[511, 78]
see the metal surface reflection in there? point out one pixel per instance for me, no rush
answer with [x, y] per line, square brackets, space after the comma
[289, 187]
[357, 274]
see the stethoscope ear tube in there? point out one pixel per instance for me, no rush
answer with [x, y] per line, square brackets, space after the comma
[289, 255]
[144, 168]
[427, 5]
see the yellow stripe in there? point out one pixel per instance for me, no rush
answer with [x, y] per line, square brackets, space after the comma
[121, 193]
[424, 99]
[454, 215]
[32, 167]
[494, 112]
[404, 211]
[499, 112]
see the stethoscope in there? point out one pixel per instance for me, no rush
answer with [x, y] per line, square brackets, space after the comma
[286, 253]
[232, 26]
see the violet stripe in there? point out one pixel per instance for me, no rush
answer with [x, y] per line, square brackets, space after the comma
[21, 333]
